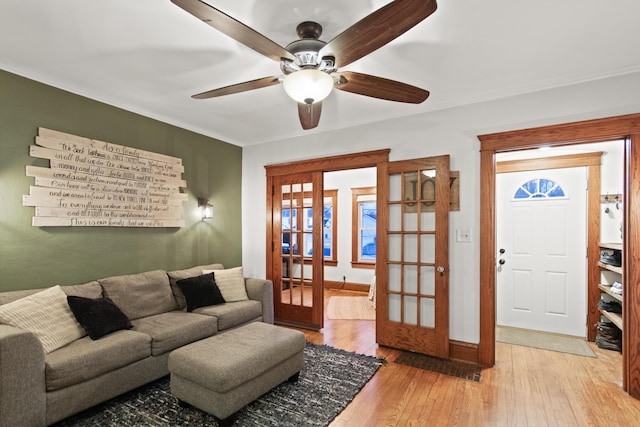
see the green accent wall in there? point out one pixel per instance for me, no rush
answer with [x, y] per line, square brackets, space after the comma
[33, 257]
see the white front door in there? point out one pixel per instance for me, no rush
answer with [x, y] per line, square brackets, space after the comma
[541, 242]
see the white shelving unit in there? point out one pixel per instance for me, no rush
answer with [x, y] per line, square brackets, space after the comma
[609, 274]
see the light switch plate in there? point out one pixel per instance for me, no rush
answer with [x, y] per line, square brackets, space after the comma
[463, 235]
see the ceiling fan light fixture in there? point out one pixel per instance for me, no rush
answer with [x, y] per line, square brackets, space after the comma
[308, 86]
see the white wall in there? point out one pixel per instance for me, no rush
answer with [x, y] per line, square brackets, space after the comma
[454, 132]
[344, 181]
[611, 182]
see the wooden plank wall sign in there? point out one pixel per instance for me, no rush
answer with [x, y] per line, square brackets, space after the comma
[92, 183]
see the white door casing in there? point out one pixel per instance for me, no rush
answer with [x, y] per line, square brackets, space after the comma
[542, 283]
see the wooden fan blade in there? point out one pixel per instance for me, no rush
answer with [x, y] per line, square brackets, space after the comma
[235, 29]
[378, 87]
[377, 29]
[239, 87]
[309, 114]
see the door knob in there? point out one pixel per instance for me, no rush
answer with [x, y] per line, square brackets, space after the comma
[501, 262]
[502, 251]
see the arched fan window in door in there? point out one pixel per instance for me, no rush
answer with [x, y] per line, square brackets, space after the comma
[539, 188]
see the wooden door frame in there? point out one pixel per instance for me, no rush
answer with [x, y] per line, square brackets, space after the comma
[325, 164]
[626, 128]
[592, 162]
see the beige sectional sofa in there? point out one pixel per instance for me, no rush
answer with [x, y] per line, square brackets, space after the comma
[39, 388]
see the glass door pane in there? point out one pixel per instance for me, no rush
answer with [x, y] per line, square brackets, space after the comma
[297, 244]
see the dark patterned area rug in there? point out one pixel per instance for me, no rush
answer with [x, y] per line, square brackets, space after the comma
[329, 380]
[453, 368]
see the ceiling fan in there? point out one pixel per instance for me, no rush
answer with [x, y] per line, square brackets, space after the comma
[310, 65]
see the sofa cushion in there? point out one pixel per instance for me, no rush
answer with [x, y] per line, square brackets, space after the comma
[47, 315]
[174, 329]
[7, 297]
[200, 291]
[233, 314]
[231, 283]
[140, 295]
[176, 275]
[98, 316]
[87, 290]
[85, 358]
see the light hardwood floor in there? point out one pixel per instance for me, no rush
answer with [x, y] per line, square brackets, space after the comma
[527, 387]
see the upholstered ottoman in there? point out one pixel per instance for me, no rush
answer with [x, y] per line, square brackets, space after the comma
[223, 373]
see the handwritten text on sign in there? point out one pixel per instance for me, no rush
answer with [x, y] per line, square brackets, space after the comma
[94, 183]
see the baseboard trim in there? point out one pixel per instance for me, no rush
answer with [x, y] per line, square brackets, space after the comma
[300, 325]
[464, 351]
[346, 286]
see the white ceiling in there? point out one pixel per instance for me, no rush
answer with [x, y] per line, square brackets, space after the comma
[149, 56]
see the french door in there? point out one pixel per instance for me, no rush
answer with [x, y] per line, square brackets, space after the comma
[412, 265]
[296, 243]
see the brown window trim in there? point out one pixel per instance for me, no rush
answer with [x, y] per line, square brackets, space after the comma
[363, 264]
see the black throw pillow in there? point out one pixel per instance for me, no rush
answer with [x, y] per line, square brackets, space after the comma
[98, 316]
[200, 291]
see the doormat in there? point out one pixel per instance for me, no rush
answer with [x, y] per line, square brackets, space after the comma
[329, 380]
[350, 308]
[544, 341]
[453, 368]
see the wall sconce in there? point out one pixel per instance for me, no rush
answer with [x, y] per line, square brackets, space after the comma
[206, 208]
